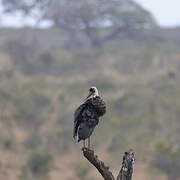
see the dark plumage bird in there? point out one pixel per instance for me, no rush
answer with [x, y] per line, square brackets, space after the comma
[86, 116]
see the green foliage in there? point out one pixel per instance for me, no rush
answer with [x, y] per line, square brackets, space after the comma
[118, 144]
[34, 142]
[89, 17]
[39, 163]
[5, 96]
[133, 75]
[31, 106]
[81, 169]
[167, 159]
[8, 143]
[163, 146]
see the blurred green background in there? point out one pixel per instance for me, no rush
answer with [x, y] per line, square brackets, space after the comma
[45, 73]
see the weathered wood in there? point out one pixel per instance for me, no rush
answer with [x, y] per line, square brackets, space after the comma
[126, 169]
[127, 166]
[100, 166]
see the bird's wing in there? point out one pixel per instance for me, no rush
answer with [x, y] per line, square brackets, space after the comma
[77, 119]
[78, 111]
[99, 105]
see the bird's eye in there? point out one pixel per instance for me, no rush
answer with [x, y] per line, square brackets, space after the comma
[92, 90]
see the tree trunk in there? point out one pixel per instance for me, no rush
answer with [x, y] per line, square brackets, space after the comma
[125, 172]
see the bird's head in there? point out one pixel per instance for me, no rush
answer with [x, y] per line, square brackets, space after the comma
[93, 92]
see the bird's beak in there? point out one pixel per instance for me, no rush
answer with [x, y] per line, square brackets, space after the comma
[90, 93]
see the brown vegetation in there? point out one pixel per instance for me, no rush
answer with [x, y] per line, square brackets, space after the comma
[42, 82]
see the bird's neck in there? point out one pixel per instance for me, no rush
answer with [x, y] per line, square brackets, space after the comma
[91, 97]
[95, 94]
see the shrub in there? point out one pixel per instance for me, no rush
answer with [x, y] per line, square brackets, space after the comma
[31, 106]
[167, 159]
[39, 163]
[81, 170]
[8, 143]
[33, 142]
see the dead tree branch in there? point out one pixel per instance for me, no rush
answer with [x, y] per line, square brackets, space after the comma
[126, 170]
[127, 166]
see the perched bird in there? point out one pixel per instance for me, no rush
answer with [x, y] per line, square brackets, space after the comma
[86, 116]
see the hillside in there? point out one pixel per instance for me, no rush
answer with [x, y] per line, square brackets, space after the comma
[42, 81]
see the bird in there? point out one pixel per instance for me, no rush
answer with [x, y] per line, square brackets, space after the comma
[86, 116]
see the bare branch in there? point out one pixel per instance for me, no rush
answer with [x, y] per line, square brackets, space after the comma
[126, 169]
[100, 166]
[127, 166]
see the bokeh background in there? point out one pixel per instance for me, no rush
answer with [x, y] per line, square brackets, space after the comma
[52, 51]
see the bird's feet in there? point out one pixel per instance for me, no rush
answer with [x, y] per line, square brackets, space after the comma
[87, 151]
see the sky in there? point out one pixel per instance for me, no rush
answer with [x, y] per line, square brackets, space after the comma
[166, 13]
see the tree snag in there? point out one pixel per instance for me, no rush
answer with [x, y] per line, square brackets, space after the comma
[125, 172]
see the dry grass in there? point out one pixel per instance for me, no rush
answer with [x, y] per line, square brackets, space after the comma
[139, 79]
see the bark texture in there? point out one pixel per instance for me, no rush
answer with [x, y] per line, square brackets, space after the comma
[125, 172]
